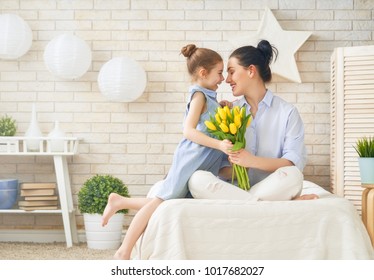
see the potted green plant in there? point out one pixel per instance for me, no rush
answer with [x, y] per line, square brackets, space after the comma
[92, 199]
[365, 150]
[8, 128]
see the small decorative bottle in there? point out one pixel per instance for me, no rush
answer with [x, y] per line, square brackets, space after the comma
[57, 141]
[33, 132]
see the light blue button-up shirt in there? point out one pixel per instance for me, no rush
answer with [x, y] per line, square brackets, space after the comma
[277, 131]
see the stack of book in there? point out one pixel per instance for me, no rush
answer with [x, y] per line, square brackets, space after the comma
[38, 196]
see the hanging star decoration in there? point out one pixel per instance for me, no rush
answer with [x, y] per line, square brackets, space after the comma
[287, 43]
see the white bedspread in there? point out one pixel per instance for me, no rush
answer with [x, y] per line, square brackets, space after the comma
[326, 228]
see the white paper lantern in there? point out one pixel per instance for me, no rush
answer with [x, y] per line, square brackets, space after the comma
[15, 36]
[122, 79]
[67, 56]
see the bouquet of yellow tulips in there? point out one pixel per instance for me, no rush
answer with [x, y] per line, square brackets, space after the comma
[231, 124]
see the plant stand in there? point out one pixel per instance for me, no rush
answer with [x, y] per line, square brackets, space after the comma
[368, 209]
[16, 146]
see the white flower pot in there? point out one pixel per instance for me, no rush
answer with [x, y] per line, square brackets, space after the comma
[99, 237]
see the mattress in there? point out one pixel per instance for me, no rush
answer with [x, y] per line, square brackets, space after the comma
[200, 229]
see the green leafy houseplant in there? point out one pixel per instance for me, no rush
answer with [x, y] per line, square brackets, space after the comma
[93, 196]
[8, 126]
[365, 147]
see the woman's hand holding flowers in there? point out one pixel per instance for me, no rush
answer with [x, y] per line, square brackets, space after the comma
[241, 157]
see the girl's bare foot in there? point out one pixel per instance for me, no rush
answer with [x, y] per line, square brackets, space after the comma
[120, 256]
[306, 197]
[114, 204]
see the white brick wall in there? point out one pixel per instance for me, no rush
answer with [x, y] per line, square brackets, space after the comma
[135, 141]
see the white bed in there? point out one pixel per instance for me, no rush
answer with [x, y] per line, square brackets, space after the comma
[326, 228]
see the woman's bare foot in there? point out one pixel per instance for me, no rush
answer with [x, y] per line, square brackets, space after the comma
[307, 197]
[115, 202]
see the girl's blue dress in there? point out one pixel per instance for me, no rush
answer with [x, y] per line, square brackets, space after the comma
[190, 156]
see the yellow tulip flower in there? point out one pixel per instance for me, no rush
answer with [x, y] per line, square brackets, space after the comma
[233, 129]
[236, 110]
[210, 125]
[222, 113]
[224, 127]
[238, 121]
[218, 119]
[228, 112]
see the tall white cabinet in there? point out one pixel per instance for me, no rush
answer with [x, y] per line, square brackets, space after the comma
[352, 116]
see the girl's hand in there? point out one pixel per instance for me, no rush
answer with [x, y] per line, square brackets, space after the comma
[241, 157]
[225, 146]
[224, 103]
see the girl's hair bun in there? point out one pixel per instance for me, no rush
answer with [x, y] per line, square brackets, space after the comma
[188, 50]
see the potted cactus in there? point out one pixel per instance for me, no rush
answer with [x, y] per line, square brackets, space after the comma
[92, 199]
[365, 150]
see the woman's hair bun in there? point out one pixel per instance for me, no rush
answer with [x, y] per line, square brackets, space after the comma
[267, 50]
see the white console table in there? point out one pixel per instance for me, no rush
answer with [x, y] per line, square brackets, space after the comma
[17, 146]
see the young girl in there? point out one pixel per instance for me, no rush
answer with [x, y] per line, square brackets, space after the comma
[196, 151]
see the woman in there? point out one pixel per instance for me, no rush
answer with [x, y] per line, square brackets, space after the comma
[275, 152]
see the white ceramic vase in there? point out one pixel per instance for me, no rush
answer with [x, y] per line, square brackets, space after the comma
[33, 131]
[99, 237]
[57, 135]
